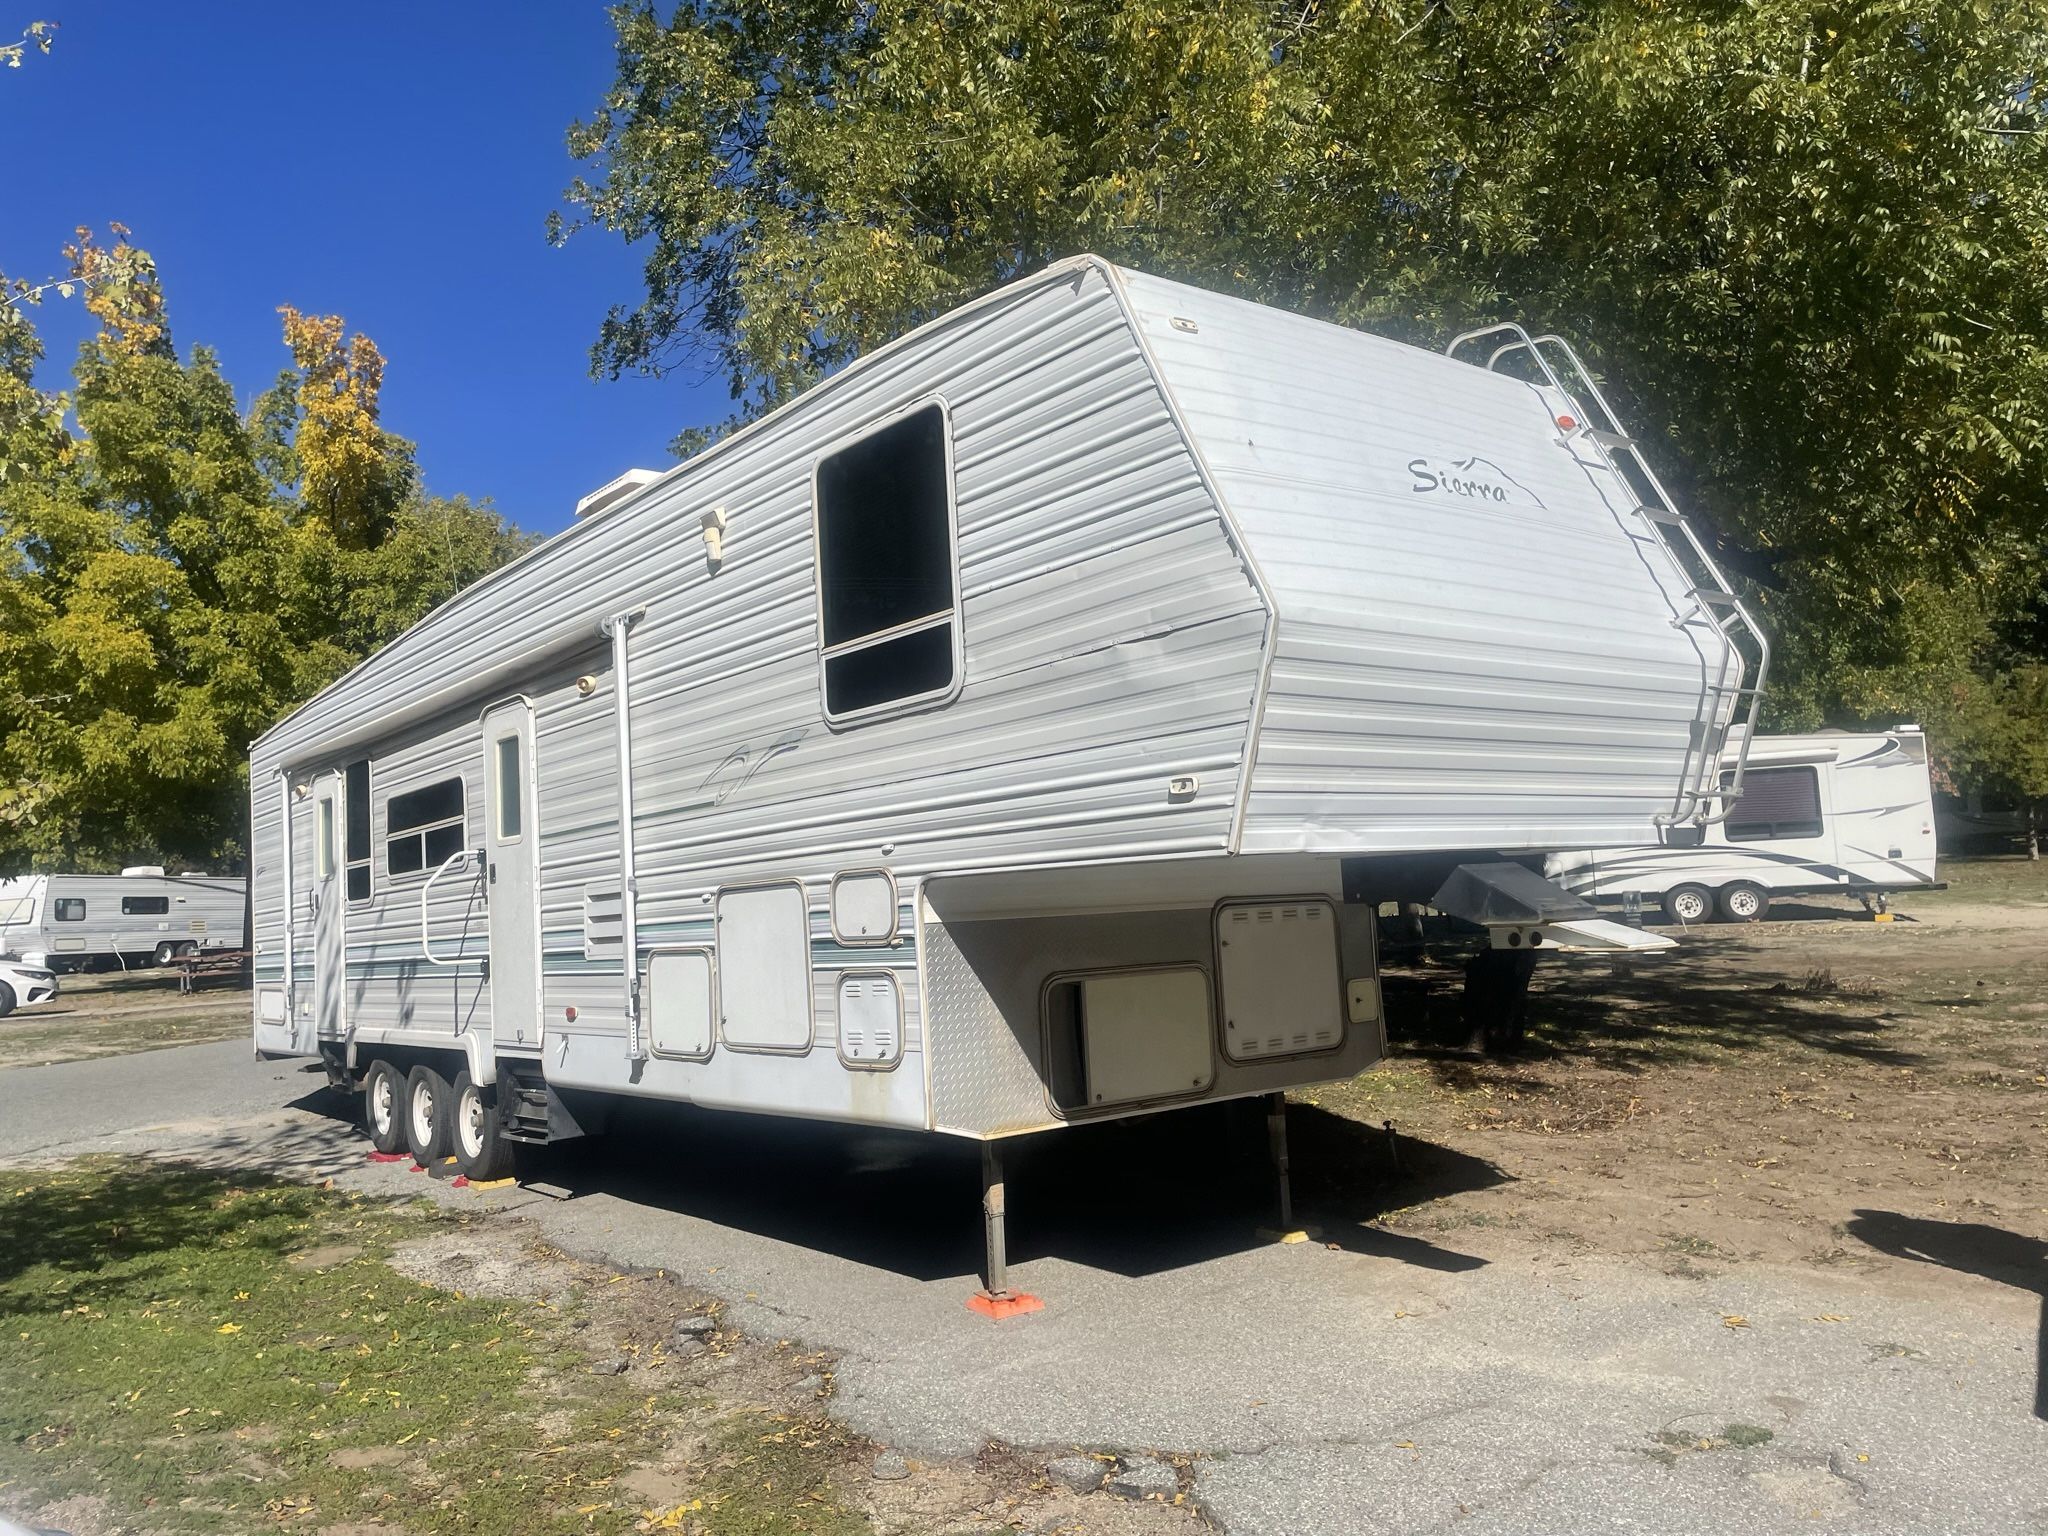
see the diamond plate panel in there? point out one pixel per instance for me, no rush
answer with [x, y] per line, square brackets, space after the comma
[985, 1078]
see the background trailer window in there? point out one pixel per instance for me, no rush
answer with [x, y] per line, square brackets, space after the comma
[423, 827]
[69, 909]
[1776, 803]
[888, 599]
[145, 906]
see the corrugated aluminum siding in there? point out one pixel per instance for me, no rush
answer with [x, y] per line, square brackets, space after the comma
[1113, 641]
[1451, 671]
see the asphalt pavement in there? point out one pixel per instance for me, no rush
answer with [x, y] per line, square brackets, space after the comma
[1365, 1382]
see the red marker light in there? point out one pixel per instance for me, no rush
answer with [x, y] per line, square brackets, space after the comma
[569, 1013]
[1567, 424]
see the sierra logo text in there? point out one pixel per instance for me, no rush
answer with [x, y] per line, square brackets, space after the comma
[1475, 478]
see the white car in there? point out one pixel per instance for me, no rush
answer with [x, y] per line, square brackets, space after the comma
[23, 985]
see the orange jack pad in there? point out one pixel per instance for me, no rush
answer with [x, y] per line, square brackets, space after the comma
[390, 1157]
[1011, 1304]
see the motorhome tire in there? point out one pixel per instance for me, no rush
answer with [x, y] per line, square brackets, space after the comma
[429, 1117]
[383, 1106]
[1742, 902]
[1688, 904]
[480, 1151]
[163, 953]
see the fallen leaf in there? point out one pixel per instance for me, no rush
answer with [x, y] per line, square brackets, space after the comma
[229, 1328]
[1734, 1320]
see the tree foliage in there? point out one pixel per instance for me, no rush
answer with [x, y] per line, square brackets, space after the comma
[38, 35]
[1807, 243]
[175, 574]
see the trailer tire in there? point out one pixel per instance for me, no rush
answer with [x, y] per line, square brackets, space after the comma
[1743, 902]
[1688, 904]
[384, 1106]
[163, 954]
[429, 1117]
[188, 949]
[482, 1153]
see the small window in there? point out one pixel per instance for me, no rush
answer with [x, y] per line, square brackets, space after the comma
[506, 785]
[1775, 803]
[70, 909]
[323, 852]
[423, 828]
[145, 906]
[357, 797]
[888, 599]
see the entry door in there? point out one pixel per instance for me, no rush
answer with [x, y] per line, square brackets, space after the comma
[512, 845]
[330, 910]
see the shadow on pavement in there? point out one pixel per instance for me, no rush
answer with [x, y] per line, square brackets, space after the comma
[1133, 1198]
[1973, 1248]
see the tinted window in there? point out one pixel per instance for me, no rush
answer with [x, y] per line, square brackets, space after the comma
[508, 785]
[1776, 803]
[912, 664]
[885, 546]
[70, 909]
[424, 827]
[885, 566]
[145, 906]
[358, 798]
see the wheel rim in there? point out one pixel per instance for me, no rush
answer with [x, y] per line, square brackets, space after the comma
[1743, 904]
[469, 1122]
[423, 1115]
[1690, 906]
[380, 1102]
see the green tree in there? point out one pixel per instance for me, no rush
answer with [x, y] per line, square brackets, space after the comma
[1806, 243]
[169, 585]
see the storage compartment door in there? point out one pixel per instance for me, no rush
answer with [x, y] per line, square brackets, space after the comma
[1280, 976]
[764, 968]
[1146, 1035]
[680, 1002]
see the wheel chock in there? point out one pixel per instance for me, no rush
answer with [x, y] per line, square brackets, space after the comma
[390, 1157]
[1880, 917]
[1275, 1235]
[485, 1183]
[1004, 1303]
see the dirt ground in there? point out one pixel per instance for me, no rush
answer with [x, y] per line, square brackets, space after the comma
[115, 1014]
[1803, 1090]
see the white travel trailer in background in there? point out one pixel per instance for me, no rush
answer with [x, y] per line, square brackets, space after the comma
[141, 916]
[1833, 811]
[1015, 729]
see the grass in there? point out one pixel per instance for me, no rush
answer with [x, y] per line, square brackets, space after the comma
[209, 1354]
[2009, 879]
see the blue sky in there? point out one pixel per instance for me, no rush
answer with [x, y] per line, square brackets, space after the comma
[393, 164]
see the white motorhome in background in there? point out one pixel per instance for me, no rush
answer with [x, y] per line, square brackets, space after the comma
[141, 916]
[1016, 729]
[1834, 811]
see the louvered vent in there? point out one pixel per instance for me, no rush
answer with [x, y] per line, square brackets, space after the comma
[870, 1019]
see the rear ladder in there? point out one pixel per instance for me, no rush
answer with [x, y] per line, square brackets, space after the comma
[1714, 604]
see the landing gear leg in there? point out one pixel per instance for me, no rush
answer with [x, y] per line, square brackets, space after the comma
[1496, 1002]
[995, 1298]
[1276, 1147]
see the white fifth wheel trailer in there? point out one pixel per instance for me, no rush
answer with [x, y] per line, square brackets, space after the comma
[141, 916]
[1013, 730]
[1833, 811]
